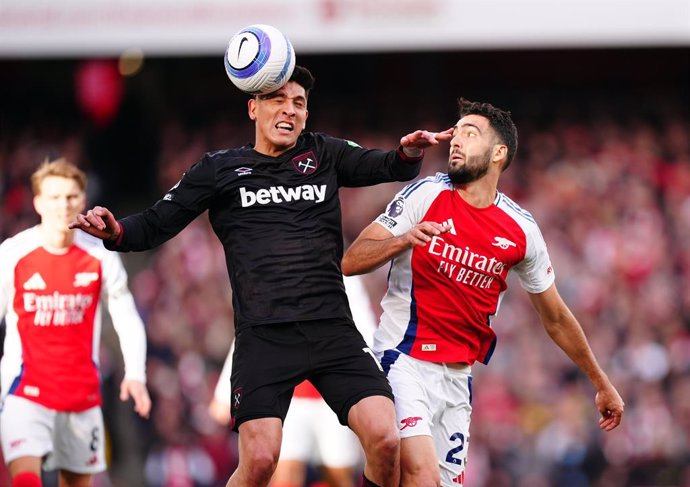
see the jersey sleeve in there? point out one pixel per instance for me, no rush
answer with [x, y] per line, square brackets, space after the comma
[409, 206]
[125, 317]
[222, 391]
[535, 271]
[190, 197]
[357, 166]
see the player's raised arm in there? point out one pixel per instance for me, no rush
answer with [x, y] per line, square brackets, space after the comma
[99, 222]
[414, 143]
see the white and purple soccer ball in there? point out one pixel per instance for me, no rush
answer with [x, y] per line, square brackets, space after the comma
[259, 59]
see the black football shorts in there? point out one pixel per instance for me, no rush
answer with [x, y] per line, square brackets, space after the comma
[270, 360]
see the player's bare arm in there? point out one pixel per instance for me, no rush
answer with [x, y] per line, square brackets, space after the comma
[413, 144]
[376, 245]
[566, 332]
[99, 222]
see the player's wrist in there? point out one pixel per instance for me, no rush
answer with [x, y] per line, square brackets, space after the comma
[411, 152]
[116, 236]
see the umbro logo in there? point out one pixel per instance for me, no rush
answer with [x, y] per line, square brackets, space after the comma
[243, 171]
[34, 283]
[503, 243]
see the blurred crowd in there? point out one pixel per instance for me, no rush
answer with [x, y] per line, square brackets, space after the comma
[613, 200]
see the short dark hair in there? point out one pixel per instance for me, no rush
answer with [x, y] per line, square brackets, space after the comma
[499, 120]
[303, 77]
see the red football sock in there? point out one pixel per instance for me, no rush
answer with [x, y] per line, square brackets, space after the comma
[27, 479]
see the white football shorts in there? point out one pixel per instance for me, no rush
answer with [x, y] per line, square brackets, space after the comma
[68, 441]
[434, 400]
[312, 433]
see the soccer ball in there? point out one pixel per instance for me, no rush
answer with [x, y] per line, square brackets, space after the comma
[259, 59]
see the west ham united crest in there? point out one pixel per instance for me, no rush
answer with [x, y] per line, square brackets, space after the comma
[306, 163]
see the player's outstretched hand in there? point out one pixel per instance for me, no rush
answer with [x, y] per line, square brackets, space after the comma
[139, 394]
[99, 222]
[220, 411]
[421, 139]
[423, 232]
[611, 406]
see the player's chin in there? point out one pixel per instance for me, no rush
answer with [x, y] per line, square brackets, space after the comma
[285, 141]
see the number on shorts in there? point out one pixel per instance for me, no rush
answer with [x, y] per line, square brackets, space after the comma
[94, 440]
[449, 457]
[368, 350]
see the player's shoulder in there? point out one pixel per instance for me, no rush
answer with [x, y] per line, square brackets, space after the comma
[226, 156]
[321, 139]
[427, 185]
[521, 216]
[92, 245]
[21, 243]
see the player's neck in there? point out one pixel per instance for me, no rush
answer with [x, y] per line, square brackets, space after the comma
[271, 150]
[57, 242]
[480, 194]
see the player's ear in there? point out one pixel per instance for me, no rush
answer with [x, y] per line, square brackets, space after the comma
[37, 205]
[251, 108]
[500, 153]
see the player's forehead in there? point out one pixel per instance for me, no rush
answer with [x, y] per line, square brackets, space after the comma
[59, 185]
[292, 89]
[479, 122]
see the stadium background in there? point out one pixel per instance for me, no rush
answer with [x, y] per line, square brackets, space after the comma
[600, 93]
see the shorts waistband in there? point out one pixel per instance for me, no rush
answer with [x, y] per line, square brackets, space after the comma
[457, 365]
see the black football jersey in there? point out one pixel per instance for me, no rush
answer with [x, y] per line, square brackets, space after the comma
[278, 219]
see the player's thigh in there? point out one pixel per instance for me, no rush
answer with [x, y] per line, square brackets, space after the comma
[299, 430]
[451, 438]
[78, 443]
[344, 370]
[268, 362]
[337, 445]
[413, 390]
[26, 429]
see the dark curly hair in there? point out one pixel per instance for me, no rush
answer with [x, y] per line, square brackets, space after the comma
[499, 120]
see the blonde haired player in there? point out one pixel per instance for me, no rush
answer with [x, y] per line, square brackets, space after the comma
[52, 280]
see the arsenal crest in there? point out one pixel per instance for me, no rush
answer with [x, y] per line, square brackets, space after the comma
[306, 163]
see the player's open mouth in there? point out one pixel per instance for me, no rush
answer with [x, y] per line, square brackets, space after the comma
[285, 126]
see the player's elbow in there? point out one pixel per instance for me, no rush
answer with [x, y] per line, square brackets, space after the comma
[347, 266]
[352, 266]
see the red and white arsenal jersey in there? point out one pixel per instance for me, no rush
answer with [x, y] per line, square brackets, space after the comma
[442, 297]
[51, 306]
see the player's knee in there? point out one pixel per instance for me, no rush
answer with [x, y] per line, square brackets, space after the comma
[261, 462]
[385, 442]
